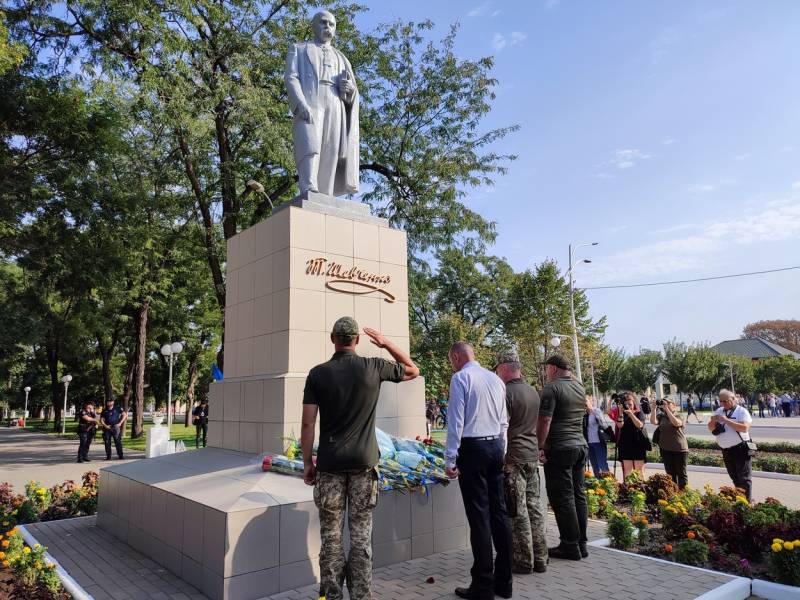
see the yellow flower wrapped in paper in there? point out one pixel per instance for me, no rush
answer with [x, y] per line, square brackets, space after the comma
[777, 547]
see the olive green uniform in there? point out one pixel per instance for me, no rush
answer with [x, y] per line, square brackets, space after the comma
[522, 459]
[346, 390]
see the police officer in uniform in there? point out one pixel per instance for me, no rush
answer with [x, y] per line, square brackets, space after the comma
[529, 550]
[87, 425]
[344, 391]
[200, 419]
[112, 420]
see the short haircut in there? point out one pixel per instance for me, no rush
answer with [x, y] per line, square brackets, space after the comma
[345, 340]
[728, 394]
[462, 348]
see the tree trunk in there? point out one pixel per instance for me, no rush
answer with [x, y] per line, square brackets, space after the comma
[190, 388]
[55, 388]
[105, 355]
[140, 354]
[128, 385]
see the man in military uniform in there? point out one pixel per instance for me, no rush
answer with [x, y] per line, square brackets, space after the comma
[112, 420]
[529, 551]
[200, 420]
[564, 453]
[87, 425]
[345, 391]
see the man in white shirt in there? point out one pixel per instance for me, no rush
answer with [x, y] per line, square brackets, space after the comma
[731, 426]
[476, 444]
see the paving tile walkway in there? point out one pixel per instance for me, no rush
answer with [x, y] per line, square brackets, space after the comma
[90, 554]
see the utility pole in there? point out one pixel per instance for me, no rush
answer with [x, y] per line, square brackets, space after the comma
[574, 324]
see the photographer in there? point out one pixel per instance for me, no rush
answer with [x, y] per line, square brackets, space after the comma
[632, 443]
[671, 441]
[731, 426]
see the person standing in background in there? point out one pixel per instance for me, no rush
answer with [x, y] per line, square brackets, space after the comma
[112, 420]
[87, 425]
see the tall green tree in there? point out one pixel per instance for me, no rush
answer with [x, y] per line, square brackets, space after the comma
[642, 369]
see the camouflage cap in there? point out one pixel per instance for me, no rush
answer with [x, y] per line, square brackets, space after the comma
[345, 326]
[559, 362]
[505, 357]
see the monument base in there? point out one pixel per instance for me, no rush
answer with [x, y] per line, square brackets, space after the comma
[213, 518]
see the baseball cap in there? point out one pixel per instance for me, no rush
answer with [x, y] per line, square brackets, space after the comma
[558, 361]
[505, 357]
[345, 326]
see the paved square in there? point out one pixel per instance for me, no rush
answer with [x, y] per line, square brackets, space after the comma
[90, 554]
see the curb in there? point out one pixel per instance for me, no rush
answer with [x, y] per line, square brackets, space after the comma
[70, 585]
[721, 471]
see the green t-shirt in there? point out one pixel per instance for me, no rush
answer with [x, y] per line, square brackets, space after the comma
[346, 390]
[564, 399]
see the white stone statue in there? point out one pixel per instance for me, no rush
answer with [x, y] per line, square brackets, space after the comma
[324, 101]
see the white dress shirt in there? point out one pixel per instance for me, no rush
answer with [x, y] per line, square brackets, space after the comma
[476, 408]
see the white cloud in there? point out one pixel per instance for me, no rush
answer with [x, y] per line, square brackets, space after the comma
[774, 221]
[702, 188]
[479, 10]
[627, 158]
[500, 41]
[496, 13]
[743, 156]
[668, 140]
[796, 185]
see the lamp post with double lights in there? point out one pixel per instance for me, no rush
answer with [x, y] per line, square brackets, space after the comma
[25, 412]
[572, 308]
[65, 380]
[170, 352]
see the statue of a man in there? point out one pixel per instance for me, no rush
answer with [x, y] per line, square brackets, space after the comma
[324, 101]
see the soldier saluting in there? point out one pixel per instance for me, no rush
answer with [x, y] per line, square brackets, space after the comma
[345, 391]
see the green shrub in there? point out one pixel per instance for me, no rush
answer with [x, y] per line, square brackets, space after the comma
[691, 552]
[620, 531]
[784, 561]
[777, 464]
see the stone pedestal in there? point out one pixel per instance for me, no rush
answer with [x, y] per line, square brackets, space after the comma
[211, 516]
[288, 282]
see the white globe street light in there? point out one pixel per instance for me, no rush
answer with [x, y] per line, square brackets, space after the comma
[65, 380]
[170, 352]
[555, 341]
[25, 414]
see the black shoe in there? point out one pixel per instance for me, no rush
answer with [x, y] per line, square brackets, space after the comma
[584, 550]
[86, 459]
[503, 592]
[80, 460]
[564, 553]
[471, 594]
[539, 567]
[121, 457]
[108, 458]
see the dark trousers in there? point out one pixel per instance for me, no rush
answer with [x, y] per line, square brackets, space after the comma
[480, 465]
[675, 466]
[761, 411]
[564, 477]
[85, 440]
[598, 456]
[737, 462]
[115, 433]
[200, 428]
[787, 409]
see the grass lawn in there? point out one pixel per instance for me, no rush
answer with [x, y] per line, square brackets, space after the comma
[178, 431]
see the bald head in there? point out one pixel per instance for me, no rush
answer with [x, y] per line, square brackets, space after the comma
[460, 354]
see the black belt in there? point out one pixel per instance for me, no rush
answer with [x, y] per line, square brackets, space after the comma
[487, 438]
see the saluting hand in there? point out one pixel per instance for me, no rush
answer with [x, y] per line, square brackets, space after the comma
[376, 337]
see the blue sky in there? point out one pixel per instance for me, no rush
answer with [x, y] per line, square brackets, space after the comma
[669, 132]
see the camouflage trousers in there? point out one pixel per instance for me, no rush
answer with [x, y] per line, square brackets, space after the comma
[528, 527]
[356, 491]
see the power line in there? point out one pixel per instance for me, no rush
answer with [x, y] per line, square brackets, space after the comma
[635, 285]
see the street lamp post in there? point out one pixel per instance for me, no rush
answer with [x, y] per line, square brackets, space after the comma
[572, 311]
[65, 380]
[25, 413]
[170, 352]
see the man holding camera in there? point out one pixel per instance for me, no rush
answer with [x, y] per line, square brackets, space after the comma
[731, 426]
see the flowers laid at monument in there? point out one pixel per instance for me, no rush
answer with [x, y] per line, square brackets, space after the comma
[718, 530]
[404, 464]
